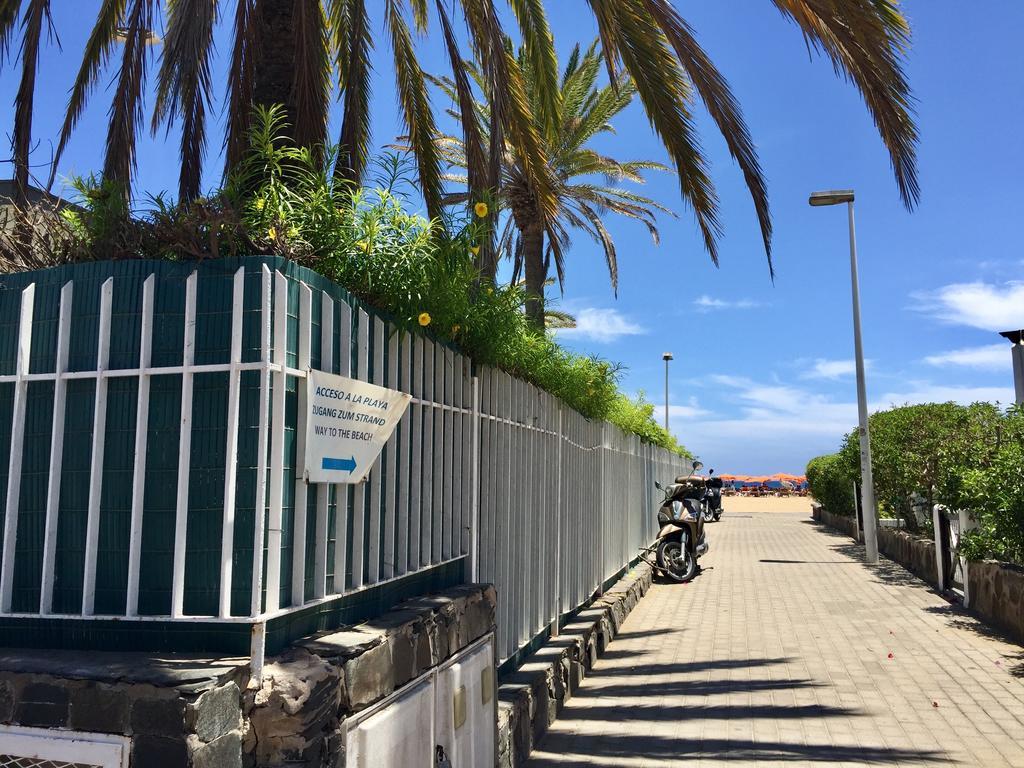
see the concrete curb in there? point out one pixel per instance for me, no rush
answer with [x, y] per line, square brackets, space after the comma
[530, 699]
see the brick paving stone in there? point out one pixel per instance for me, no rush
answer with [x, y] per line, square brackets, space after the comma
[778, 652]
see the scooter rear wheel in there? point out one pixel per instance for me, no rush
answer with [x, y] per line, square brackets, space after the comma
[676, 561]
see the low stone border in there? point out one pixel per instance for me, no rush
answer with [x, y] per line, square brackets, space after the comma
[839, 522]
[997, 594]
[530, 698]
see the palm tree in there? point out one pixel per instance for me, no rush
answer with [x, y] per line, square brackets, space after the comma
[584, 111]
[299, 53]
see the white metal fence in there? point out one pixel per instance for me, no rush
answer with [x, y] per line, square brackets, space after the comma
[565, 504]
[546, 504]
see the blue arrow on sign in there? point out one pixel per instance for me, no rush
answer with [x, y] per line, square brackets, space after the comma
[344, 465]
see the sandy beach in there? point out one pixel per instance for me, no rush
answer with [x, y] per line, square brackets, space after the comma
[746, 504]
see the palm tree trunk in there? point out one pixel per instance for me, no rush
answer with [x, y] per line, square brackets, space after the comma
[536, 273]
[275, 73]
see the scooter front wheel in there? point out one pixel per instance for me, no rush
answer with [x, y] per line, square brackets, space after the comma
[677, 562]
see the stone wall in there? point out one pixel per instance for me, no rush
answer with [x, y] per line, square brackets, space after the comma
[179, 711]
[190, 712]
[839, 522]
[530, 699]
[913, 552]
[997, 594]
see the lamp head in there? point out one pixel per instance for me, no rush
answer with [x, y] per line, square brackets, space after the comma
[667, 356]
[831, 197]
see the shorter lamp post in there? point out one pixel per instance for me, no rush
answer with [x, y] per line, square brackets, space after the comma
[666, 357]
[1017, 339]
[867, 493]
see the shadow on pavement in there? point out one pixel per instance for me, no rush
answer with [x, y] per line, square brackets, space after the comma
[687, 667]
[724, 750]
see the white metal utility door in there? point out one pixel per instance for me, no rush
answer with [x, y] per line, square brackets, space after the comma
[44, 748]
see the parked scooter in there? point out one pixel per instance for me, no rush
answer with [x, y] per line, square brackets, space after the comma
[681, 540]
[711, 504]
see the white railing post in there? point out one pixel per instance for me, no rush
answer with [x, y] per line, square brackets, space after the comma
[474, 520]
[141, 441]
[940, 570]
[262, 440]
[301, 487]
[341, 492]
[227, 531]
[184, 450]
[60, 388]
[277, 443]
[323, 491]
[99, 431]
[13, 500]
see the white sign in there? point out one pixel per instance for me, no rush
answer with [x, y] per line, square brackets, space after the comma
[347, 425]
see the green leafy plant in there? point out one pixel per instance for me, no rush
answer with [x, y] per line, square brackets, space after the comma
[830, 479]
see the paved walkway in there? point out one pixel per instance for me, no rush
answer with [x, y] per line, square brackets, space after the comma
[779, 652]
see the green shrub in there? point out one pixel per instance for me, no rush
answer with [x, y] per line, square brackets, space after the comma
[924, 449]
[995, 496]
[830, 480]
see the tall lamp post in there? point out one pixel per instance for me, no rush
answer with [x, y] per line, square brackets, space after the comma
[867, 493]
[1017, 351]
[666, 357]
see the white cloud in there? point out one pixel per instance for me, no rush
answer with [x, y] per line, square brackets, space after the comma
[779, 427]
[990, 357]
[707, 303]
[601, 325]
[692, 410]
[988, 306]
[832, 369]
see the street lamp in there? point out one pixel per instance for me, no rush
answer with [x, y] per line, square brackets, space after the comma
[867, 493]
[1017, 339]
[666, 357]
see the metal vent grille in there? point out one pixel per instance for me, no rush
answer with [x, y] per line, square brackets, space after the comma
[12, 761]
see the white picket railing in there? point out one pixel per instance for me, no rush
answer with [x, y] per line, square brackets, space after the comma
[546, 504]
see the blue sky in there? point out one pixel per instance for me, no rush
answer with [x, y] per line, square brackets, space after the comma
[762, 377]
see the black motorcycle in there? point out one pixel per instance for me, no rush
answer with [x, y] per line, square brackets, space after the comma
[681, 540]
[711, 504]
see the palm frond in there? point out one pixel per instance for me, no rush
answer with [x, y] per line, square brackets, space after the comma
[415, 104]
[241, 81]
[472, 144]
[8, 23]
[37, 15]
[354, 45]
[183, 84]
[607, 246]
[539, 50]
[866, 40]
[97, 51]
[126, 115]
[555, 319]
[714, 91]
[665, 93]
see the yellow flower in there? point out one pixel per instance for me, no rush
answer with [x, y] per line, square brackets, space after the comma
[272, 233]
[424, 319]
[481, 209]
[364, 245]
[455, 330]
[260, 203]
[474, 249]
